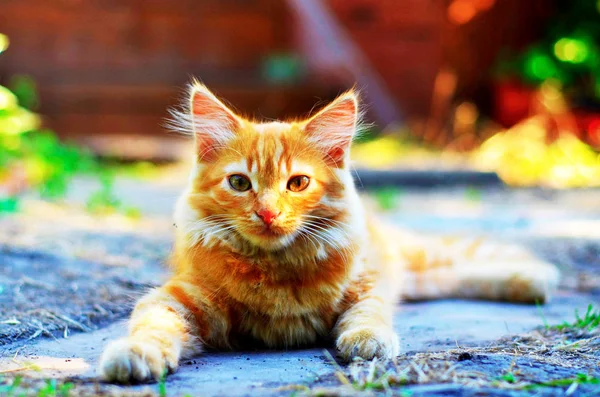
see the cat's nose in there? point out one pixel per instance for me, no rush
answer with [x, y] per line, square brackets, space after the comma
[267, 215]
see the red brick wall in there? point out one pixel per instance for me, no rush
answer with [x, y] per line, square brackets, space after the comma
[114, 66]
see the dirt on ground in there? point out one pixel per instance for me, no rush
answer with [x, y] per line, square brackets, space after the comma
[56, 280]
[547, 361]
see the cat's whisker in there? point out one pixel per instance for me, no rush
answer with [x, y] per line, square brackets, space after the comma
[307, 238]
[329, 224]
[329, 240]
[324, 239]
[328, 231]
[325, 219]
[313, 241]
[325, 227]
[212, 226]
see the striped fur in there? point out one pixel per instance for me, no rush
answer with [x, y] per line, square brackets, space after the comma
[323, 269]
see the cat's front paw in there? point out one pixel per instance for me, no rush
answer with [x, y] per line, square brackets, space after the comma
[368, 343]
[132, 361]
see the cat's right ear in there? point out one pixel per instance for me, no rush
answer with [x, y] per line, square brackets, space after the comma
[213, 124]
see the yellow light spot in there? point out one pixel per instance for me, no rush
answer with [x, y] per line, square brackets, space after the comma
[18, 122]
[8, 100]
[36, 171]
[4, 42]
[571, 50]
[522, 156]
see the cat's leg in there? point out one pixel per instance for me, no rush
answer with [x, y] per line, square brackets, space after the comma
[167, 324]
[365, 329]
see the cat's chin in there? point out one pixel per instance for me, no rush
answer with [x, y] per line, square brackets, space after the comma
[270, 241]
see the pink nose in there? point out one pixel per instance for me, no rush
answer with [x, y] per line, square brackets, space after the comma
[267, 215]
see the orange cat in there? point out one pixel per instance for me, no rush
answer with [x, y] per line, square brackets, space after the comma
[274, 248]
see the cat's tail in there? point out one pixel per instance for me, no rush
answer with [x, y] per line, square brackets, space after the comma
[435, 267]
[475, 269]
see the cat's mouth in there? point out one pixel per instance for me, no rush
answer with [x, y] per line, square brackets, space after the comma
[271, 232]
[271, 237]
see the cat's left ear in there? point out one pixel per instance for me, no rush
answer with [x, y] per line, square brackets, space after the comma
[213, 123]
[332, 129]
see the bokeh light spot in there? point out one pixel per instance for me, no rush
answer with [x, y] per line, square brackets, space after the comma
[594, 133]
[540, 67]
[4, 42]
[552, 97]
[571, 50]
[8, 100]
[461, 11]
[466, 113]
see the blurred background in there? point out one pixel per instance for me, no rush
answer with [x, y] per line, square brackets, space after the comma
[506, 86]
[483, 118]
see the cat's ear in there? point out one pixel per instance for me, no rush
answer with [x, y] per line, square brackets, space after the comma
[332, 129]
[213, 123]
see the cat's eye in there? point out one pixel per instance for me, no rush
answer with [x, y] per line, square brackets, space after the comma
[298, 183]
[240, 183]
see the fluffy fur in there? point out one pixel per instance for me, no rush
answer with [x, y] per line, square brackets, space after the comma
[324, 268]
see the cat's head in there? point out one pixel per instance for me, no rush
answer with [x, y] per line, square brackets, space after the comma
[269, 183]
